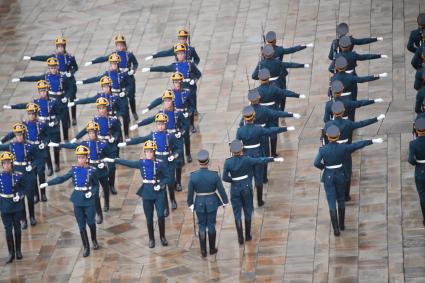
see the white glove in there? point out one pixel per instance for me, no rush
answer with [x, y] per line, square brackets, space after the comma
[28, 168]
[290, 128]
[64, 100]
[100, 165]
[225, 204]
[16, 198]
[171, 158]
[70, 104]
[51, 124]
[384, 56]
[178, 135]
[306, 65]
[185, 114]
[130, 73]
[296, 115]
[309, 45]
[74, 140]
[122, 94]
[15, 80]
[278, 159]
[88, 63]
[43, 185]
[107, 159]
[122, 144]
[192, 82]
[7, 107]
[192, 207]
[380, 38]
[144, 70]
[53, 144]
[41, 146]
[79, 82]
[378, 100]
[144, 111]
[379, 140]
[88, 195]
[133, 127]
[68, 74]
[157, 187]
[111, 139]
[149, 58]
[383, 75]
[302, 96]
[26, 58]
[380, 117]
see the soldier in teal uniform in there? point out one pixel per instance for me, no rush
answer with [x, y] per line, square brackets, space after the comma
[280, 51]
[418, 35]
[418, 60]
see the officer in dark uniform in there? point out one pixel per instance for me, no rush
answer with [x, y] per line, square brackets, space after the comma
[250, 135]
[417, 35]
[206, 186]
[152, 191]
[109, 133]
[67, 66]
[238, 171]
[128, 66]
[183, 37]
[419, 78]
[280, 51]
[418, 60]
[346, 128]
[420, 96]
[333, 155]
[86, 187]
[11, 204]
[168, 150]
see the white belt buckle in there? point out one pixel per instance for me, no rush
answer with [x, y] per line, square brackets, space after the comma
[251, 146]
[240, 178]
[334, 166]
[342, 141]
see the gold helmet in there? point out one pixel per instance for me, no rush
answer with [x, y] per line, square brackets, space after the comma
[32, 107]
[182, 33]
[82, 150]
[119, 38]
[177, 76]
[168, 94]
[105, 80]
[6, 155]
[92, 126]
[179, 47]
[52, 61]
[101, 101]
[60, 40]
[42, 84]
[19, 128]
[161, 117]
[114, 58]
[149, 145]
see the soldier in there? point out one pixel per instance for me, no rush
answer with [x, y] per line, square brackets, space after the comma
[238, 172]
[417, 159]
[184, 38]
[11, 205]
[333, 155]
[419, 78]
[118, 87]
[420, 96]
[110, 133]
[337, 89]
[206, 186]
[86, 187]
[418, 60]
[128, 66]
[417, 35]
[152, 191]
[67, 66]
[251, 135]
[167, 151]
[58, 89]
[346, 128]
[98, 150]
[24, 153]
[279, 51]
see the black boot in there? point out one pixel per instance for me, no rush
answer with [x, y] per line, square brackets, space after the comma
[18, 238]
[136, 117]
[50, 171]
[49, 164]
[273, 147]
[179, 179]
[423, 212]
[211, 242]
[161, 225]
[334, 221]
[248, 236]
[167, 206]
[265, 177]
[24, 223]
[151, 236]
[172, 197]
[74, 115]
[56, 152]
[93, 236]
[86, 244]
[105, 187]
[10, 247]
[260, 201]
[43, 195]
[341, 218]
[347, 191]
[112, 182]
[239, 231]
[33, 222]
[203, 243]
[36, 195]
[99, 214]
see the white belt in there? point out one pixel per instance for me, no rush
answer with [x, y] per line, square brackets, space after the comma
[6, 195]
[334, 166]
[82, 188]
[124, 69]
[171, 131]
[273, 79]
[103, 137]
[150, 181]
[420, 161]
[262, 125]
[251, 146]
[162, 153]
[345, 118]
[345, 93]
[240, 178]
[186, 80]
[349, 71]
[342, 141]
[179, 109]
[20, 163]
[46, 118]
[33, 142]
[117, 90]
[94, 161]
[205, 194]
[55, 92]
[267, 103]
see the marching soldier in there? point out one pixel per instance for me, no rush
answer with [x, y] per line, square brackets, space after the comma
[152, 191]
[280, 51]
[86, 187]
[238, 172]
[330, 158]
[183, 37]
[417, 35]
[67, 66]
[419, 78]
[128, 66]
[206, 186]
[11, 205]
[167, 151]
[418, 60]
